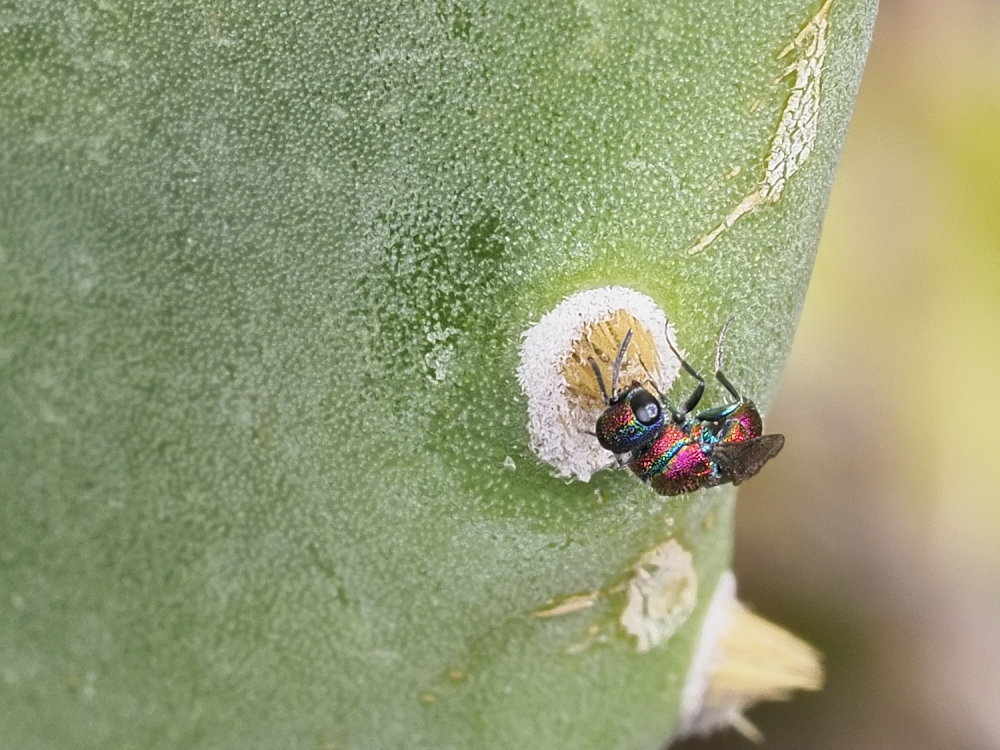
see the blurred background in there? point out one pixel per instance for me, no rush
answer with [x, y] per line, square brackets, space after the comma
[876, 535]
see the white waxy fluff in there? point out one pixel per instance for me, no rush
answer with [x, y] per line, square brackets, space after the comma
[741, 659]
[561, 424]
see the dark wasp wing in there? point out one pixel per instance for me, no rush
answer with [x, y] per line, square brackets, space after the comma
[739, 461]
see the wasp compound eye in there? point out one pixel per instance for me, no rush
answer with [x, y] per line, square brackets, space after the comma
[631, 423]
[646, 407]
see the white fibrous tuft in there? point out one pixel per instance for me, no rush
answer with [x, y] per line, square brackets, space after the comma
[741, 659]
[563, 396]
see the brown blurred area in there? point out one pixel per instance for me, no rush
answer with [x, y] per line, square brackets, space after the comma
[876, 534]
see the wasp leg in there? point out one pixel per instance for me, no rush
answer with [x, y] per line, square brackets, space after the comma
[718, 413]
[694, 398]
[675, 415]
[727, 385]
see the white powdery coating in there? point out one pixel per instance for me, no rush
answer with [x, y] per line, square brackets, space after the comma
[661, 595]
[560, 430]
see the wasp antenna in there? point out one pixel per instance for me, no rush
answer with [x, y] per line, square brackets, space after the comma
[695, 397]
[617, 369]
[600, 379]
[719, 356]
[719, 349]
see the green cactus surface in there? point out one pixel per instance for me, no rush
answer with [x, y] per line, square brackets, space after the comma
[265, 479]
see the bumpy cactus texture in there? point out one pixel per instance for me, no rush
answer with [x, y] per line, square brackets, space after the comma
[264, 469]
